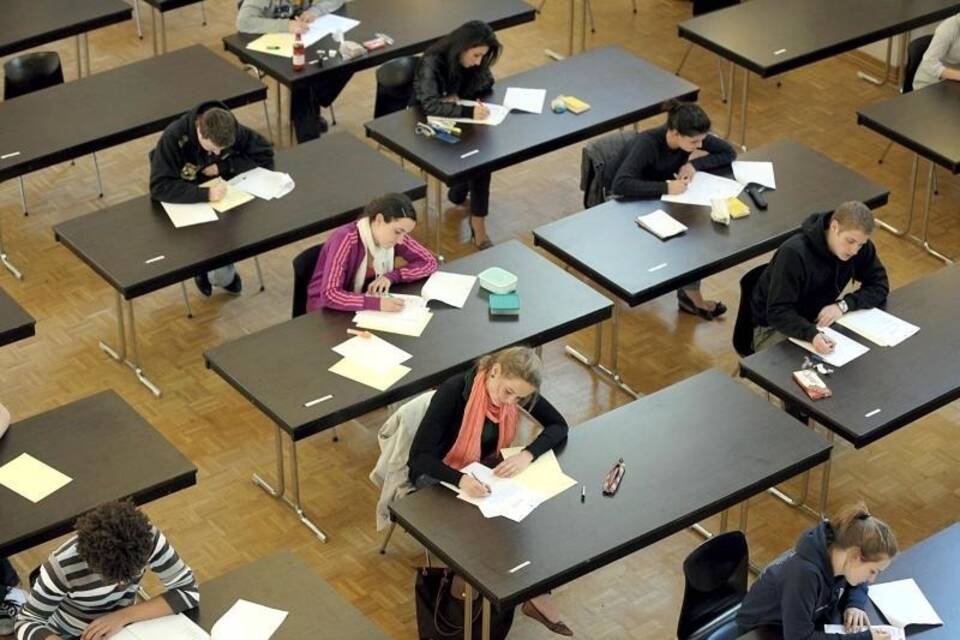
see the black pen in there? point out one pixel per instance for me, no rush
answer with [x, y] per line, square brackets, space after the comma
[583, 493]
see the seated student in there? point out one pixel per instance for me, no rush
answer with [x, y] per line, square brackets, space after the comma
[942, 58]
[471, 417]
[295, 16]
[359, 257]
[457, 67]
[823, 580]
[801, 288]
[8, 576]
[201, 145]
[662, 161]
[87, 587]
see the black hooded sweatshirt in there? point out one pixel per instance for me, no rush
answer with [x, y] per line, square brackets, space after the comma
[177, 161]
[799, 592]
[439, 75]
[804, 276]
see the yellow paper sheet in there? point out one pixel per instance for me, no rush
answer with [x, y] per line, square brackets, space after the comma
[543, 476]
[31, 478]
[379, 379]
[234, 198]
[400, 328]
[275, 44]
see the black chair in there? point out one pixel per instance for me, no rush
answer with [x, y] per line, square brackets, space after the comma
[915, 51]
[715, 574]
[303, 267]
[394, 85]
[703, 7]
[743, 327]
[35, 72]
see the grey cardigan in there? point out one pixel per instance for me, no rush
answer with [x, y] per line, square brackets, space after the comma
[273, 16]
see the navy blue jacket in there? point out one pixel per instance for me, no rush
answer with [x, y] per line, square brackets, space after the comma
[799, 592]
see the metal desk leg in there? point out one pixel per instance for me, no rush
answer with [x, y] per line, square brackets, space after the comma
[136, 15]
[256, 261]
[550, 52]
[386, 538]
[825, 480]
[733, 79]
[6, 261]
[438, 199]
[281, 476]
[23, 196]
[611, 374]
[863, 75]
[485, 620]
[153, 29]
[926, 219]
[913, 196]
[902, 66]
[121, 354]
[280, 117]
[743, 109]
[203, 14]
[79, 66]
[86, 51]
[584, 4]
[467, 611]
[163, 32]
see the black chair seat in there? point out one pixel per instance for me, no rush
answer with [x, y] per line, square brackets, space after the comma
[31, 72]
[303, 268]
[723, 627]
[394, 85]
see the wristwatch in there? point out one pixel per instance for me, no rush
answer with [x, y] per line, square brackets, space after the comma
[843, 306]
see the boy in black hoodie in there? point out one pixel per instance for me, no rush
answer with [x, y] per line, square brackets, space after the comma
[201, 145]
[800, 288]
[823, 580]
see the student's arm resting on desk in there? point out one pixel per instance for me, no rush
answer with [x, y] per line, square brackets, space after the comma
[720, 153]
[323, 7]
[874, 285]
[420, 263]
[4, 420]
[251, 18]
[629, 181]
[429, 91]
[932, 67]
[166, 185]
[554, 428]
[330, 281]
[250, 150]
[783, 296]
[798, 603]
[427, 449]
[44, 598]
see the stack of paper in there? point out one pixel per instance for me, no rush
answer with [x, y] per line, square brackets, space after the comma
[31, 478]
[661, 224]
[372, 361]
[264, 183]
[186, 215]
[895, 633]
[234, 197]
[706, 187]
[745, 172]
[844, 350]
[544, 475]
[529, 100]
[275, 44]
[451, 288]
[903, 603]
[243, 621]
[878, 326]
[325, 26]
[507, 498]
[411, 321]
[498, 113]
[176, 627]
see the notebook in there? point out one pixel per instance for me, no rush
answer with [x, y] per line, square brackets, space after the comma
[661, 224]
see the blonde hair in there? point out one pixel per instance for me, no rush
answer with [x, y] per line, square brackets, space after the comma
[853, 526]
[855, 215]
[516, 362]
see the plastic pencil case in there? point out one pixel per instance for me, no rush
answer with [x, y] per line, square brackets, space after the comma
[497, 280]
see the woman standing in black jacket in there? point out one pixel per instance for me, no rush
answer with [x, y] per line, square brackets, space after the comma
[457, 67]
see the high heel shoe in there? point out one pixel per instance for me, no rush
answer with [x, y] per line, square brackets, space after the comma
[530, 610]
[486, 244]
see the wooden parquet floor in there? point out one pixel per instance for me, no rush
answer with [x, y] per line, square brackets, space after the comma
[911, 478]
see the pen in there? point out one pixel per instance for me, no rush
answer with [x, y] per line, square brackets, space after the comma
[273, 48]
[827, 339]
[483, 484]
[360, 333]
[583, 493]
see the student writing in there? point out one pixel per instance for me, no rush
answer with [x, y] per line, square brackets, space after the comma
[941, 61]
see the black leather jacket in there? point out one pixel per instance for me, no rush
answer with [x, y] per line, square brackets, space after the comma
[437, 78]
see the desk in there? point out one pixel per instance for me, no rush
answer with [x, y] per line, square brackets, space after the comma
[281, 368]
[620, 87]
[413, 24]
[160, 7]
[76, 118]
[880, 391]
[15, 323]
[30, 23]
[686, 460]
[283, 582]
[927, 123]
[606, 245]
[770, 37]
[312, 207]
[75, 439]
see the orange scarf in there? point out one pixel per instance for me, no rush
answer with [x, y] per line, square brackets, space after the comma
[479, 407]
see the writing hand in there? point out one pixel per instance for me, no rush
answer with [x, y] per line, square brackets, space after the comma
[480, 111]
[676, 187]
[822, 344]
[473, 487]
[686, 172]
[217, 192]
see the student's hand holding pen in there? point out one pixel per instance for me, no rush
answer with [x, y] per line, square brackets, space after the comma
[676, 187]
[217, 192]
[480, 111]
[823, 344]
[473, 487]
[686, 173]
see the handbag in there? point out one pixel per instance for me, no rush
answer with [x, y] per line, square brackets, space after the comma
[440, 615]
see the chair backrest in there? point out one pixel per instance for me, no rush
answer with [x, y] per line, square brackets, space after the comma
[394, 85]
[743, 327]
[598, 165]
[701, 7]
[915, 51]
[31, 72]
[715, 576]
[303, 268]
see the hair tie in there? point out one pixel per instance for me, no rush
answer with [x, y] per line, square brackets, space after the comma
[863, 516]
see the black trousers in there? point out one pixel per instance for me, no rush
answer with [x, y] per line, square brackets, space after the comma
[479, 189]
[8, 577]
[305, 105]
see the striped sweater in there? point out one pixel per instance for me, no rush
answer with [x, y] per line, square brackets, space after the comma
[68, 595]
[331, 285]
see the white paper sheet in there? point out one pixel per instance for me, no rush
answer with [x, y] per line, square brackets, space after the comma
[451, 288]
[544, 475]
[896, 633]
[31, 478]
[187, 215]
[878, 326]
[705, 187]
[372, 352]
[264, 183]
[903, 603]
[661, 224]
[326, 25]
[507, 498]
[178, 627]
[248, 621]
[410, 321]
[747, 171]
[529, 100]
[498, 113]
[844, 351]
[233, 198]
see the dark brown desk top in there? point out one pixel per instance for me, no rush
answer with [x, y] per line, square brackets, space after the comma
[282, 581]
[327, 194]
[605, 243]
[413, 24]
[15, 323]
[30, 23]
[620, 88]
[169, 5]
[691, 450]
[108, 449]
[280, 368]
[925, 121]
[108, 108]
[770, 37]
[904, 383]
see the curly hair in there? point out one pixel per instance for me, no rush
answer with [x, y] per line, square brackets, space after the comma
[115, 540]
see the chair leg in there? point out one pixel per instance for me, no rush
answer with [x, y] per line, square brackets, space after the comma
[186, 298]
[203, 14]
[883, 155]
[723, 88]
[540, 8]
[936, 189]
[336, 436]
[256, 261]
[96, 167]
[23, 197]
[389, 534]
[136, 14]
[634, 6]
[683, 59]
[266, 117]
[593, 28]
[333, 116]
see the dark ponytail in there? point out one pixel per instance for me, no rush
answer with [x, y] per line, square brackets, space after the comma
[687, 118]
[853, 526]
[391, 206]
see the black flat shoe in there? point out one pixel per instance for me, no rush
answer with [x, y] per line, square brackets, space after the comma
[687, 306]
[235, 287]
[203, 284]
